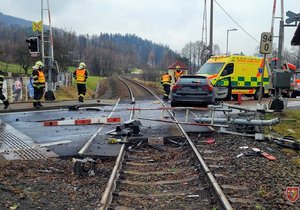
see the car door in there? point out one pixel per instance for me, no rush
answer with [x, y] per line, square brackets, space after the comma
[223, 85]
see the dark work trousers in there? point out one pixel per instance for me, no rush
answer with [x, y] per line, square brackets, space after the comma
[38, 93]
[2, 97]
[81, 88]
[167, 91]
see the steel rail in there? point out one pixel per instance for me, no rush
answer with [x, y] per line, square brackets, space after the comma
[111, 185]
[129, 89]
[107, 196]
[224, 201]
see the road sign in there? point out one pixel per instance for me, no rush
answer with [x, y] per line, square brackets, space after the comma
[37, 26]
[292, 17]
[266, 41]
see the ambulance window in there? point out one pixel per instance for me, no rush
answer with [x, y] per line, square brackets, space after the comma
[210, 68]
[228, 69]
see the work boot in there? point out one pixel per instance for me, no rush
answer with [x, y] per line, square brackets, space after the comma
[39, 104]
[36, 105]
[80, 99]
[6, 104]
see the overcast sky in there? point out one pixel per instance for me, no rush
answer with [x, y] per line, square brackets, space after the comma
[169, 22]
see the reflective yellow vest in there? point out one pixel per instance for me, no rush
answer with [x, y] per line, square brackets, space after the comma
[166, 79]
[80, 76]
[177, 75]
[41, 76]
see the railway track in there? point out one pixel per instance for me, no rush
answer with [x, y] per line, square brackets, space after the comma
[169, 175]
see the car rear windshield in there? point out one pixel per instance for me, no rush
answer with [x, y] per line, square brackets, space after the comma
[190, 80]
[211, 68]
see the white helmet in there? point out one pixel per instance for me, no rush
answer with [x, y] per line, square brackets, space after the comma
[81, 65]
[39, 64]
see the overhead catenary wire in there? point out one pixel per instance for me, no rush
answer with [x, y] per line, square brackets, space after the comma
[236, 22]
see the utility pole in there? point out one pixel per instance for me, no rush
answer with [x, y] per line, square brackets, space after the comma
[204, 35]
[47, 52]
[211, 29]
[281, 32]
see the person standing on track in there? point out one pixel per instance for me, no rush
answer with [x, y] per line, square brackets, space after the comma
[166, 80]
[2, 97]
[81, 75]
[39, 80]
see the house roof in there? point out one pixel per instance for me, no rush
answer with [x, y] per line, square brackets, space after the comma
[178, 63]
[296, 37]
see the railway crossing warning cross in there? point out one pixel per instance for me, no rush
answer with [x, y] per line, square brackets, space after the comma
[37, 26]
[292, 17]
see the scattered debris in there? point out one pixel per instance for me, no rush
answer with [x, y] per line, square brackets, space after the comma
[115, 141]
[238, 120]
[255, 152]
[84, 167]
[127, 128]
[240, 155]
[284, 141]
[176, 142]
[210, 140]
[50, 170]
[155, 141]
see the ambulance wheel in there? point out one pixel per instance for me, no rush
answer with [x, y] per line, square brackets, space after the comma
[294, 95]
[235, 96]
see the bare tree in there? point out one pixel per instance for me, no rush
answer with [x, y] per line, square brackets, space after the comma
[64, 48]
[23, 57]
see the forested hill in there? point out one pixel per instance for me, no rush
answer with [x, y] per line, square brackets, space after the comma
[104, 53]
[10, 20]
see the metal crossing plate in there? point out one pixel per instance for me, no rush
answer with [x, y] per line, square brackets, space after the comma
[15, 145]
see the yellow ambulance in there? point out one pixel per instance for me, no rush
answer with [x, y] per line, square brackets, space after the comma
[235, 74]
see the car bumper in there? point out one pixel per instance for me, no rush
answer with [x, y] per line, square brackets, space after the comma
[195, 99]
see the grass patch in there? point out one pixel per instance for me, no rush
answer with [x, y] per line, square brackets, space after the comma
[92, 82]
[289, 123]
[70, 93]
[14, 68]
[155, 85]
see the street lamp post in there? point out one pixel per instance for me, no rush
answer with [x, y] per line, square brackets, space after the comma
[234, 29]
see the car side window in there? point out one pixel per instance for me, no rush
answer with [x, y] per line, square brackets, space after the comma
[228, 69]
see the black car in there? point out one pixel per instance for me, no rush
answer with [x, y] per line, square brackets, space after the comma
[192, 90]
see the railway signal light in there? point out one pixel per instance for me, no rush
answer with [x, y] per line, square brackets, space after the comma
[33, 45]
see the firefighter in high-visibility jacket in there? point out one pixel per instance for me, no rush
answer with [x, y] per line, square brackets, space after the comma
[39, 81]
[166, 80]
[81, 75]
[2, 97]
[178, 73]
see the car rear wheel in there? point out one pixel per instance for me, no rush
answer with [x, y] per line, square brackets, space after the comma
[294, 95]
[174, 104]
